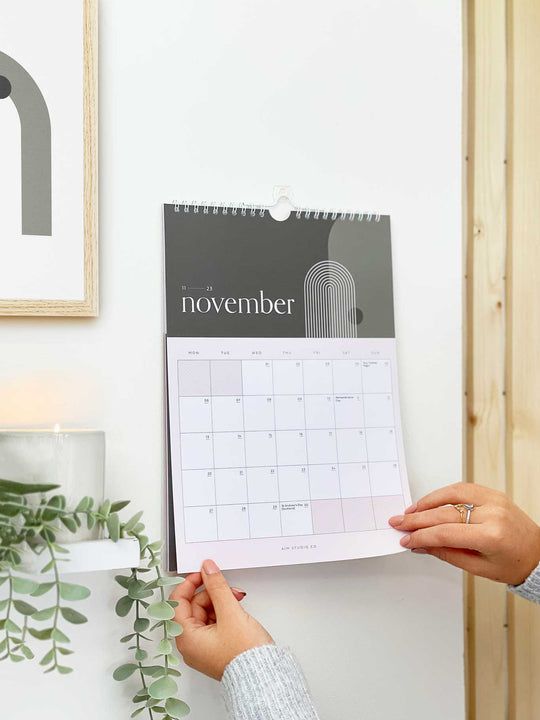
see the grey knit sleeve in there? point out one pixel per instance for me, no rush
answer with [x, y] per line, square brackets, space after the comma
[266, 683]
[530, 589]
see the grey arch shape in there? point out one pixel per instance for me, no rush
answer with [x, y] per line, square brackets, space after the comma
[35, 148]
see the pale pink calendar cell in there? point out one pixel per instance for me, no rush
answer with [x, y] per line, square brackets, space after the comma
[379, 409]
[227, 414]
[296, 518]
[200, 524]
[319, 411]
[288, 377]
[354, 480]
[262, 484]
[229, 450]
[347, 377]
[381, 444]
[260, 448]
[264, 520]
[318, 377]
[198, 487]
[324, 482]
[289, 412]
[257, 377]
[358, 514]
[233, 522]
[351, 445]
[194, 378]
[385, 478]
[226, 377]
[322, 447]
[291, 447]
[231, 486]
[197, 451]
[349, 411]
[259, 412]
[293, 483]
[386, 507]
[327, 516]
[195, 414]
[376, 376]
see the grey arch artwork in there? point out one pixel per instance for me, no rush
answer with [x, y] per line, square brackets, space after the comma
[330, 301]
[18, 85]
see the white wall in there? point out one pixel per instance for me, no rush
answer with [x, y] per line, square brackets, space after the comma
[355, 104]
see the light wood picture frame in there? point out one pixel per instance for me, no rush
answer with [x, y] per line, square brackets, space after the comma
[49, 248]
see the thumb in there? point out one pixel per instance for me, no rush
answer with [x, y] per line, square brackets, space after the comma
[218, 589]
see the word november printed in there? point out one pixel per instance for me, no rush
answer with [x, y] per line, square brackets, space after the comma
[261, 305]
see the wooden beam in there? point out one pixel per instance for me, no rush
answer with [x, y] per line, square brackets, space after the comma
[485, 380]
[524, 338]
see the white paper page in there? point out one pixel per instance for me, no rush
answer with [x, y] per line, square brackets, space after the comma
[284, 450]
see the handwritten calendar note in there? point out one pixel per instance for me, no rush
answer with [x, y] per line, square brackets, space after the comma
[282, 449]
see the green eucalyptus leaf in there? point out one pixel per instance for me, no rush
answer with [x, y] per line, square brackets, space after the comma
[123, 606]
[45, 614]
[70, 523]
[141, 624]
[69, 591]
[155, 546]
[173, 628]
[3, 579]
[16, 658]
[161, 611]
[48, 566]
[125, 671]
[113, 527]
[47, 658]
[105, 508]
[173, 660]
[165, 647]
[3, 604]
[18, 488]
[83, 505]
[23, 585]
[28, 654]
[23, 607]
[166, 581]
[90, 521]
[177, 708]
[63, 670]
[127, 638]
[137, 590]
[72, 616]
[119, 505]
[141, 696]
[11, 627]
[59, 636]
[174, 673]
[3, 644]
[64, 651]
[60, 549]
[122, 580]
[162, 688]
[132, 522]
[42, 589]
[140, 654]
[137, 712]
[154, 671]
[40, 634]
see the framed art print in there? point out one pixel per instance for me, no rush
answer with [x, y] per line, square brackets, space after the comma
[48, 146]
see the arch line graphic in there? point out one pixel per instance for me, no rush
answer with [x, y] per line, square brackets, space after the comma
[329, 301]
[36, 163]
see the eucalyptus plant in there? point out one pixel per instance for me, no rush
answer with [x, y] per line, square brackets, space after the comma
[31, 518]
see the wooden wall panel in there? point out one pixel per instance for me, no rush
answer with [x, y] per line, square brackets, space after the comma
[524, 336]
[486, 269]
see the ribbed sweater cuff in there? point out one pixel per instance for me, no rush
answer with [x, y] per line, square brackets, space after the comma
[530, 589]
[266, 683]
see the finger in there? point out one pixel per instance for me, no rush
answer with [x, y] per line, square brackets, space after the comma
[429, 518]
[452, 535]
[183, 594]
[458, 493]
[218, 589]
[463, 559]
[202, 607]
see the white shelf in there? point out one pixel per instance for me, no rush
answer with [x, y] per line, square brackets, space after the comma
[88, 556]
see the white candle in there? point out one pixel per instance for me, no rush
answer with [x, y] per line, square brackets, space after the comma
[72, 459]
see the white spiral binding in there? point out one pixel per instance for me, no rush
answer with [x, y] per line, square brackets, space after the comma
[244, 209]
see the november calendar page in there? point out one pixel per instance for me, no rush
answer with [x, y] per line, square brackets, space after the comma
[284, 433]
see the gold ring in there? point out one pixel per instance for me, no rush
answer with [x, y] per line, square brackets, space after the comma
[465, 511]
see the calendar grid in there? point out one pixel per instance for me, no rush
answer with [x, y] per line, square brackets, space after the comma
[316, 469]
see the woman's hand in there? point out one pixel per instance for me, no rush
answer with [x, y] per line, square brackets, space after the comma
[501, 542]
[216, 628]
